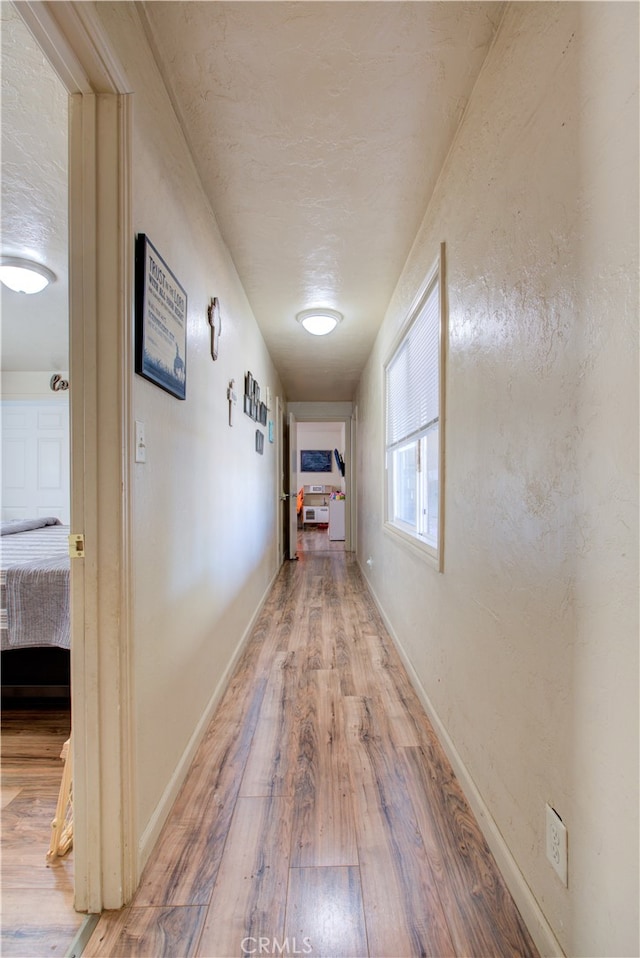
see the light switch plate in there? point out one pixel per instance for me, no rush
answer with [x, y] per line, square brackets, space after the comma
[141, 449]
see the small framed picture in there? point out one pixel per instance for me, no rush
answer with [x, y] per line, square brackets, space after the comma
[259, 442]
[247, 404]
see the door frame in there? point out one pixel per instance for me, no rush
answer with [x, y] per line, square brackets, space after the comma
[282, 501]
[337, 412]
[100, 297]
[291, 466]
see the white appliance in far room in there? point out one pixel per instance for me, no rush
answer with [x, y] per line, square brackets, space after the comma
[336, 518]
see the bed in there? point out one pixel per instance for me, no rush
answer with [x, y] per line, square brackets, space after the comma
[35, 632]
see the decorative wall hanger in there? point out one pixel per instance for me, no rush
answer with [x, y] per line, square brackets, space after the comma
[215, 321]
[58, 384]
[232, 397]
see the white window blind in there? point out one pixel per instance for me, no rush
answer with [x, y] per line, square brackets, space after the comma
[413, 374]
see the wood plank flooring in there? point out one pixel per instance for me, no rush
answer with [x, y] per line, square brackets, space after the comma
[313, 538]
[320, 815]
[37, 897]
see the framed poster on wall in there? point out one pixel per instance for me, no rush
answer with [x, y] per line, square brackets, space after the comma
[315, 460]
[161, 321]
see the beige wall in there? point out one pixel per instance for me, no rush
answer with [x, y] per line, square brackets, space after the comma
[204, 503]
[527, 646]
[32, 385]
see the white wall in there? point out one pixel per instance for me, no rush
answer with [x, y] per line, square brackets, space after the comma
[204, 503]
[32, 385]
[527, 646]
[321, 435]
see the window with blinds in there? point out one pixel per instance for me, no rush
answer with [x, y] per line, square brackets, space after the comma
[413, 428]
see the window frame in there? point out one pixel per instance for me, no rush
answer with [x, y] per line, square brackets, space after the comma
[402, 533]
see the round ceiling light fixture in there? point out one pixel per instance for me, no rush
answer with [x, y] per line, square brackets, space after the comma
[319, 322]
[23, 275]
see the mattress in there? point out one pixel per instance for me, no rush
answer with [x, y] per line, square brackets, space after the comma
[34, 584]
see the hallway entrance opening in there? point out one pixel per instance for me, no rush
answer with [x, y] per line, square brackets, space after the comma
[319, 482]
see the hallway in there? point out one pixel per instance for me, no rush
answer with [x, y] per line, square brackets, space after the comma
[320, 815]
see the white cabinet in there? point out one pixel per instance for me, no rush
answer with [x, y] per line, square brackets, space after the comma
[315, 509]
[315, 514]
[336, 519]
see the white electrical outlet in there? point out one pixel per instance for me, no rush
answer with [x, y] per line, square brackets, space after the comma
[557, 843]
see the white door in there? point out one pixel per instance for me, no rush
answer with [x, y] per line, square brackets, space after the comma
[293, 482]
[35, 459]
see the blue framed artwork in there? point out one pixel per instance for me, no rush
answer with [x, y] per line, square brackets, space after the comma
[161, 321]
[315, 460]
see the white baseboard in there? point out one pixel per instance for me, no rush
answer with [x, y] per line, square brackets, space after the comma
[151, 833]
[532, 915]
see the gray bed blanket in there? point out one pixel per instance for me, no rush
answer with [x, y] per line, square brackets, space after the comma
[11, 526]
[37, 597]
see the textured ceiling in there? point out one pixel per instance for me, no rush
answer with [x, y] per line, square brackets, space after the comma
[319, 130]
[34, 198]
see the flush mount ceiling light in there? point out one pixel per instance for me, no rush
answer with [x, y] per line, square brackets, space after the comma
[319, 322]
[23, 275]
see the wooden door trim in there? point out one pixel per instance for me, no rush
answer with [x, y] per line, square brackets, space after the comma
[100, 258]
[321, 412]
